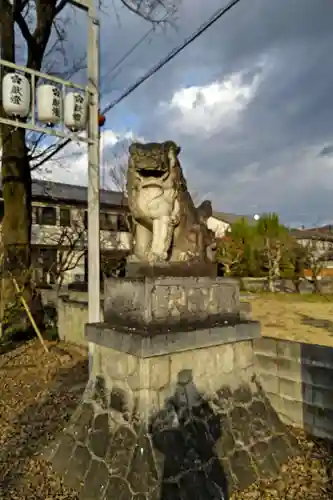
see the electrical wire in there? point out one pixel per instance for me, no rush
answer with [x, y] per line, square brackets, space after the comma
[131, 50]
[196, 34]
[65, 142]
[204, 27]
[110, 71]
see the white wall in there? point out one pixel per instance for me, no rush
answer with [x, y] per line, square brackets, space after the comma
[218, 226]
[53, 235]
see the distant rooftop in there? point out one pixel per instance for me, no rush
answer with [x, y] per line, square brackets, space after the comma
[68, 193]
[73, 194]
[315, 233]
[232, 218]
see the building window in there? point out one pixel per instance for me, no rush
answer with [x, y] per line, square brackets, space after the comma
[85, 219]
[123, 223]
[79, 278]
[65, 217]
[108, 222]
[48, 216]
[35, 215]
[48, 264]
[130, 223]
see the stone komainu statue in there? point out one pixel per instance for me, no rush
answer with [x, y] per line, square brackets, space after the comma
[166, 224]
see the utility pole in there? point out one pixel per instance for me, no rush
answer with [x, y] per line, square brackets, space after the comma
[94, 300]
[94, 294]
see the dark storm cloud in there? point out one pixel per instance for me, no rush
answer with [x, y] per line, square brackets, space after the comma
[290, 112]
[326, 151]
[238, 39]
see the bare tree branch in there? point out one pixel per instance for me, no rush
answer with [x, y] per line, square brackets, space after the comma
[146, 8]
[61, 6]
[19, 7]
[70, 245]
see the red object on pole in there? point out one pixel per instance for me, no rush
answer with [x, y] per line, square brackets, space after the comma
[101, 120]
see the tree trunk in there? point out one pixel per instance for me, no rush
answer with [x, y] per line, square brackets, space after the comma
[16, 226]
[270, 284]
[270, 277]
[16, 192]
[316, 285]
[297, 283]
[227, 269]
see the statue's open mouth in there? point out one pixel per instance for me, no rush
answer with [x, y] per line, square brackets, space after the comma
[155, 174]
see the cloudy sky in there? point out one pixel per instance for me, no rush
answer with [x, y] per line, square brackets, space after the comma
[250, 102]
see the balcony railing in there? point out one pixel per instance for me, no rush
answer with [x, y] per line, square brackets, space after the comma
[60, 236]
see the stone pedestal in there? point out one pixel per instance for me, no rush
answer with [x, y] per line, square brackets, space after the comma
[171, 417]
[170, 301]
[171, 269]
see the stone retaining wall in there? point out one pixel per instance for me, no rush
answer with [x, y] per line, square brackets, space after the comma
[254, 285]
[298, 379]
[189, 424]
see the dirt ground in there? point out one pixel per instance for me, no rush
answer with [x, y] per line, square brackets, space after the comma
[38, 395]
[295, 317]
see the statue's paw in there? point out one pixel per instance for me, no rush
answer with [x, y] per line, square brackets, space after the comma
[155, 258]
[163, 257]
[134, 258]
[183, 256]
[151, 257]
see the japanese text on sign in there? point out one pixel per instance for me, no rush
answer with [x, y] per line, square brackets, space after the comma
[78, 107]
[16, 90]
[56, 102]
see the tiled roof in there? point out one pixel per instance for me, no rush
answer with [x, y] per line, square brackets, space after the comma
[316, 233]
[231, 218]
[75, 194]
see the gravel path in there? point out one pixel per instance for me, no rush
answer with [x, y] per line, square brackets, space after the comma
[38, 395]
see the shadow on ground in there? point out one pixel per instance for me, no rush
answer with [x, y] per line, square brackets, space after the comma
[186, 432]
[7, 346]
[324, 324]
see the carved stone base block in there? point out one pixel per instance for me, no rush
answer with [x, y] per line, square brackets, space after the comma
[175, 269]
[170, 301]
[170, 424]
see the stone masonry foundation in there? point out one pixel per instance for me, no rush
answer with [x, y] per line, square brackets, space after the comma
[171, 424]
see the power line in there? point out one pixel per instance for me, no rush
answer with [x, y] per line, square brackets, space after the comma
[110, 71]
[64, 143]
[131, 50]
[204, 27]
[125, 56]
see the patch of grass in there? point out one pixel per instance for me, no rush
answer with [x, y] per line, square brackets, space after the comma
[301, 318]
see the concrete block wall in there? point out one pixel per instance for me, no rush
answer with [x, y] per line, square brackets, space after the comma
[72, 317]
[72, 313]
[49, 296]
[298, 379]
